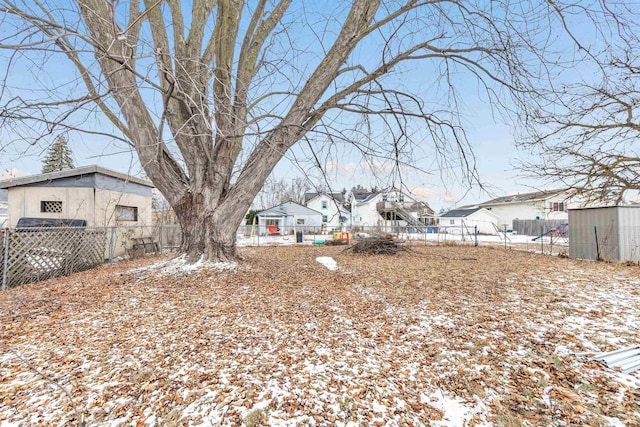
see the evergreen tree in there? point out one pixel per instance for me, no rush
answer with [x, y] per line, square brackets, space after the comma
[59, 156]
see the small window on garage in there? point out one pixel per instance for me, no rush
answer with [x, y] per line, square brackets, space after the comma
[51, 206]
[299, 221]
[126, 213]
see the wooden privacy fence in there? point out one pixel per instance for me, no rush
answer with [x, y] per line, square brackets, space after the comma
[39, 254]
[536, 227]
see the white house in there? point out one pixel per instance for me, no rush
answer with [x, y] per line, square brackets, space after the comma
[287, 218]
[541, 205]
[331, 206]
[390, 207]
[465, 221]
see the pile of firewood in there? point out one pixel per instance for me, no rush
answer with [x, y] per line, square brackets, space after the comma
[380, 245]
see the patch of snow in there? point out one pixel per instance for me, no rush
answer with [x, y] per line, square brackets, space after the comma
[455, 412]
[180, 265]
[328, 262]
[614, 422]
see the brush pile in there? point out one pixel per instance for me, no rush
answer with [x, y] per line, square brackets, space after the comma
[379, 245]
[336, 242]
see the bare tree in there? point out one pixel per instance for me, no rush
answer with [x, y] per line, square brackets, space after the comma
[585, 134]
[279, 190]
[213, 100]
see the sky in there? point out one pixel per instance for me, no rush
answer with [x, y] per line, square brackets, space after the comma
[493, 143]
[491, 138]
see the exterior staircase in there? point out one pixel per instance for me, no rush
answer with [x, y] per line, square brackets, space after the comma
[400, 213]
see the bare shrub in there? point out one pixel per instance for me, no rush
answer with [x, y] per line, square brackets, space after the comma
[377, 246]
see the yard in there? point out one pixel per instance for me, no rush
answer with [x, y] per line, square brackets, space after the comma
[443, 336]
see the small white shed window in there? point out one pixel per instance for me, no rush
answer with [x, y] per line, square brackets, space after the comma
[325, 204]
[299, 221]
[126, 213]
[51, 206]
[452, 221]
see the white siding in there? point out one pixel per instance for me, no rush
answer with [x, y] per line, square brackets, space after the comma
[539, 209]
[331, 210]
[482, 219]
[366, 214]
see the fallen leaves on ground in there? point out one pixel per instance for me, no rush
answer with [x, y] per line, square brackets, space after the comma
[437, 336]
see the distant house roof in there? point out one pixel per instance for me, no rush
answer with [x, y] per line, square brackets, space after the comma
[288, 209]
[523, 197]
[460, 213]
[364, 197]
[336, 196]
[84, 170]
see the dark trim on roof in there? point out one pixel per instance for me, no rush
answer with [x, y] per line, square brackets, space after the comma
[279, 209]
[523, 197]
[335, 196]
[364, 197]
[84, 170]
[460, 213]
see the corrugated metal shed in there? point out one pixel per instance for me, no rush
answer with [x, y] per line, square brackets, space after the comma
[610, 233]
[625, 360]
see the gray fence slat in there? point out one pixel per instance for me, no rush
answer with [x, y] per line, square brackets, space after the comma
[535, 227]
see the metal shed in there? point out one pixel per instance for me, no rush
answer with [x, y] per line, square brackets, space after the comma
[610, 233]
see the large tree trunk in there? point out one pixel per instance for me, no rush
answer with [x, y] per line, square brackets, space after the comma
[207, 233]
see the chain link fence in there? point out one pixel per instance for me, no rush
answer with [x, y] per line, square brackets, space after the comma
[550, 240]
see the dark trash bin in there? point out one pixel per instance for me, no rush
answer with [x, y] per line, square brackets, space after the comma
[298, 236]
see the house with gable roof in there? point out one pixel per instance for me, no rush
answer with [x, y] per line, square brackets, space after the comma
[465, 220]
[331, 206]
[541, 205]
[287, 217]
[389, 208]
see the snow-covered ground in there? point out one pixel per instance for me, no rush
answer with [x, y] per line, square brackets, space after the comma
[442, 336]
